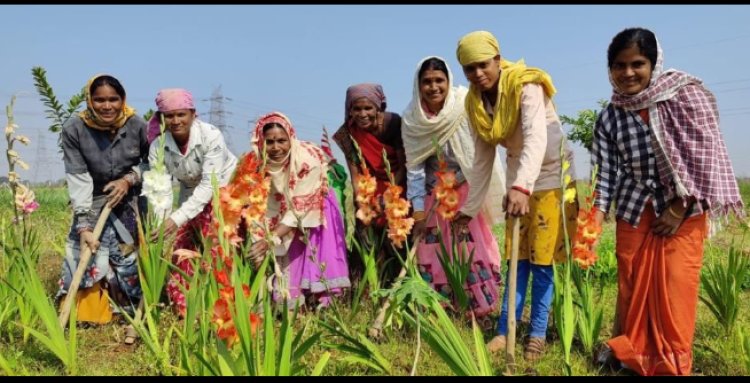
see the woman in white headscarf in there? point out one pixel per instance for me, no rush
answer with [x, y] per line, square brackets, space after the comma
[436, 113]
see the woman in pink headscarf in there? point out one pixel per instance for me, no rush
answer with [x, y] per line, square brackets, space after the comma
[193, 151]
[303, 214]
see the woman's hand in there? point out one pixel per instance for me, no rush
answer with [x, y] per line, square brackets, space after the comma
[670, 220]
[516, 203]
[419, 224]
[258, 252]
[170, 227]
[461, 223]
[116, 190]
[88, 239]
[259, 249]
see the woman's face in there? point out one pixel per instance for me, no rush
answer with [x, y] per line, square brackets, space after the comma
[363, 114]
[277, 143]
[631, 71]
[106, 103]
[179, 122]
[483, 74]
[433, 88]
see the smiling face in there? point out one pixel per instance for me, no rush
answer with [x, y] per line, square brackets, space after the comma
[433, 89]
[277, 143]
[107, 103]
[483, 74]
[179, 122]
[631, 70]
[364, 114]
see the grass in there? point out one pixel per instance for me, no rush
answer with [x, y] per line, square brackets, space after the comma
[100, 351]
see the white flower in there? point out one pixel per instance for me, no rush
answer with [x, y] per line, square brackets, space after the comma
[9, 129]
[23, 139]
[157, 187]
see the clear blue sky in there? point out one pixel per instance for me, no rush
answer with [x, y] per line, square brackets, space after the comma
[301, 59]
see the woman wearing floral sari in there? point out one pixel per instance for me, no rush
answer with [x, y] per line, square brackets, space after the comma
[437, 112]
[303, 215]
[662, 160]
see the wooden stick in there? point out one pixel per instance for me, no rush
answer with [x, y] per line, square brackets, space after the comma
[510, 344]
[82, 264]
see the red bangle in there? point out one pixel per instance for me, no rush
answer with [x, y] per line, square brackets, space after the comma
[522, 190]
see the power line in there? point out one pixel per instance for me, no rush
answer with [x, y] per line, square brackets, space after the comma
[217, 114]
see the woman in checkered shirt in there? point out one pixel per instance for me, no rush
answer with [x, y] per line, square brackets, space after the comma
[662, 160]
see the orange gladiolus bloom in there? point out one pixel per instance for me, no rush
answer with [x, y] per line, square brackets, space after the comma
[398, 208]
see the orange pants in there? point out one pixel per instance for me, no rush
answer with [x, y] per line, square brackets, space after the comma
[658, 280]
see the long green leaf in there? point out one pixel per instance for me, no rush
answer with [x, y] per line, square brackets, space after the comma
[322, 363]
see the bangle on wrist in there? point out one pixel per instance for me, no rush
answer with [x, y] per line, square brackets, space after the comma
[522, 190]
[674, 214]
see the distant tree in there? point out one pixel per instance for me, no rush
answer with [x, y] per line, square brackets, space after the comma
[583, 125]
[149, 113]
[55, 111]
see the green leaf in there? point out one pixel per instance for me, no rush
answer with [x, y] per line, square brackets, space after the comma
[318, 370]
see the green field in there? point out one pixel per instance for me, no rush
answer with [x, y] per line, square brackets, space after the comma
[100, 351]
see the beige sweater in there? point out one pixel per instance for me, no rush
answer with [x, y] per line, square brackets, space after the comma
[533, 151]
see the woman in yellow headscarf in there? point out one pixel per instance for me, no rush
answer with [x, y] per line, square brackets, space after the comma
[510, 104]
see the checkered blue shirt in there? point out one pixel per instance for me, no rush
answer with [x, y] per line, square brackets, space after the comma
[627, 171]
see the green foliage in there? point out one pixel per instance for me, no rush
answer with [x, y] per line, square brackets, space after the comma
[153, 264]
[744, 341]
[456, 268]
[583, 125]
[34, 294]
[56, 112]
[722, 286]
[356, 346]
[444, 339]
[562, 309]
[149, 113]
[368, 247]
[605, 268]
[589, 314]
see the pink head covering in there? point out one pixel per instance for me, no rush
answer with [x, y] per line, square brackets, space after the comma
[168, 100]
[370, 91]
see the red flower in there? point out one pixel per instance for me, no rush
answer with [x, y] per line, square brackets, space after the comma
[254, 323]
[221, 277]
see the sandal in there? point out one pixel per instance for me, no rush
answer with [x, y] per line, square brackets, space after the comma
[497, 344]
[130, 335]
[534, 348]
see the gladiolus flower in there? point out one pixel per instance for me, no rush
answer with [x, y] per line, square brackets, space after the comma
[399, 229]
[447, 179]
[25, 199]
[23, 139]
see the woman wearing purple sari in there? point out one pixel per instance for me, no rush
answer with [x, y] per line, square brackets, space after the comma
[303, 215]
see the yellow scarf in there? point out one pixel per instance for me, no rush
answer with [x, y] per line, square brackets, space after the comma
[92, 119]
[513, 77]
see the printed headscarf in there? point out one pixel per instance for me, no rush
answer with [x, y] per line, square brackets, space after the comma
[481, 46]
[93, 120]
[299, 183]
